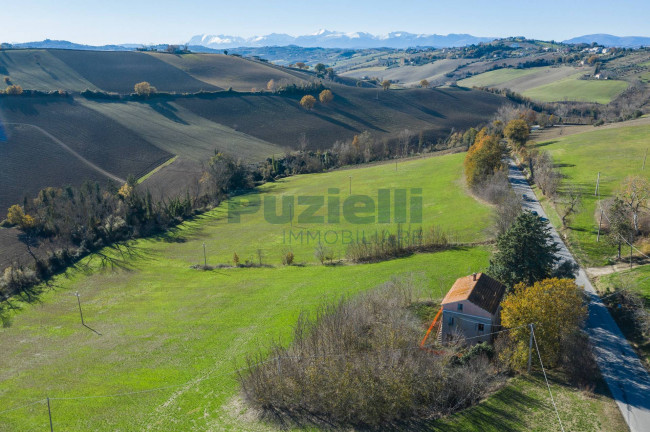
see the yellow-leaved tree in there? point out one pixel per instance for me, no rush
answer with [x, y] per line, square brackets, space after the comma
[554, 306]
[308, 102]
[16, 216]
[326, 96]
[144, 89]
[483, 158]
[517, 131]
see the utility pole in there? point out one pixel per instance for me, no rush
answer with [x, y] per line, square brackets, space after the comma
[49, 413]
[530, 347]
[644, 158]
[599, 224]
[350, 185]
[80, 312]
[205, 257]
[597, 184]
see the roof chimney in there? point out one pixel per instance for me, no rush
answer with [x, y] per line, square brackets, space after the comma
[474, 276]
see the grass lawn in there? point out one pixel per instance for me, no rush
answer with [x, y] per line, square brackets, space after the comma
[616, 154]
[575, 89]
[639, 279]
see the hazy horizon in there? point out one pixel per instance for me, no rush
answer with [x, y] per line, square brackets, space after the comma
[152, 22]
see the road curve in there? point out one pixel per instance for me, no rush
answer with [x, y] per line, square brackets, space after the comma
[621, 368]
[71, 151]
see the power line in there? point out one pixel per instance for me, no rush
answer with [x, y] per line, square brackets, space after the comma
[22, 406]
[546, 379]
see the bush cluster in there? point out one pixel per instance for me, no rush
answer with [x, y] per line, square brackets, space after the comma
[386, 245]
[357, 363]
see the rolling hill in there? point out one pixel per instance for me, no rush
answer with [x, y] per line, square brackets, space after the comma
[56, 141]
[178, 336]
[113, 139]
[53, 142]
[410, 75]
[549, 84]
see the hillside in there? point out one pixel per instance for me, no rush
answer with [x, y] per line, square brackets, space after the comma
[229, 71]
[56, 142]
[69, 140]
[549, 84]
[410, 76]
[615, 152]
[281, 120]
[193, 329]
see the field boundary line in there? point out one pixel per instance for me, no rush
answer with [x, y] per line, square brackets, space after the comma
[71, 151]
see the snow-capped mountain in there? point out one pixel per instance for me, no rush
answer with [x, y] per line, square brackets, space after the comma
[332, 39]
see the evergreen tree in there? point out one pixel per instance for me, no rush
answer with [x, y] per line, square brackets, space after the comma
[525, 253]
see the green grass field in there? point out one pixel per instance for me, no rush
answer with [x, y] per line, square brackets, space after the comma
[495, 77]
[166, 325]
[445, 205]
[616, 154]
[163, 323]
[549, 84]
[575, 89]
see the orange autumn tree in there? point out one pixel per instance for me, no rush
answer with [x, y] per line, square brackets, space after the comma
[308, 102]
[556, 308]
[483, 158]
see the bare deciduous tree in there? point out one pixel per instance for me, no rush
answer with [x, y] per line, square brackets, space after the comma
[570, 204]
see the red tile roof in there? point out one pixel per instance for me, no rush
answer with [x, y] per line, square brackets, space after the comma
[479, 289]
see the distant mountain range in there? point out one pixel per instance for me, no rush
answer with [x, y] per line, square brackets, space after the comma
[62, 44]
[611, 40]
[332, 39]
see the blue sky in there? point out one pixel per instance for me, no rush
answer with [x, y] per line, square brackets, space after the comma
[174, 21]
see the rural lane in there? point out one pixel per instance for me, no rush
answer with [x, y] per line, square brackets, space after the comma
[72, 152]
[621, 368]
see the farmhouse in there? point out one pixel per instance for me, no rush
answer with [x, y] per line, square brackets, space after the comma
[472, 308]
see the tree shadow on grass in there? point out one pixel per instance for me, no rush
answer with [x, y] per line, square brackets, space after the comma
[504, 411]
[545, 143]
[120, 256]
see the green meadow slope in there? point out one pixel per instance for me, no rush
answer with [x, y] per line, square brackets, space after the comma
[549, 84]
[163, 323]
[164, 341]
[616, 153]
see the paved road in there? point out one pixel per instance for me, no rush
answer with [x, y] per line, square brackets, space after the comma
[626, 377]
[72, 152]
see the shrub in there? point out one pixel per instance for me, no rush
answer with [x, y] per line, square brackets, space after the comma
[387, 245]
[287, 258]
[326, 96]
[308, 102]
[14, 90]
[357, 363]
[323, 253]
[144, 89]
[235, 259]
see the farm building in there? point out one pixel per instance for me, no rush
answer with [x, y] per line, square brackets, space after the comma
[472, 308]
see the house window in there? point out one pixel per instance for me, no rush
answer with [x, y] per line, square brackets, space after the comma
[460, 307]
[481, 327]
[451, 320]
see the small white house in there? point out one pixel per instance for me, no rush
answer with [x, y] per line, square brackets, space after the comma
[472, 309]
